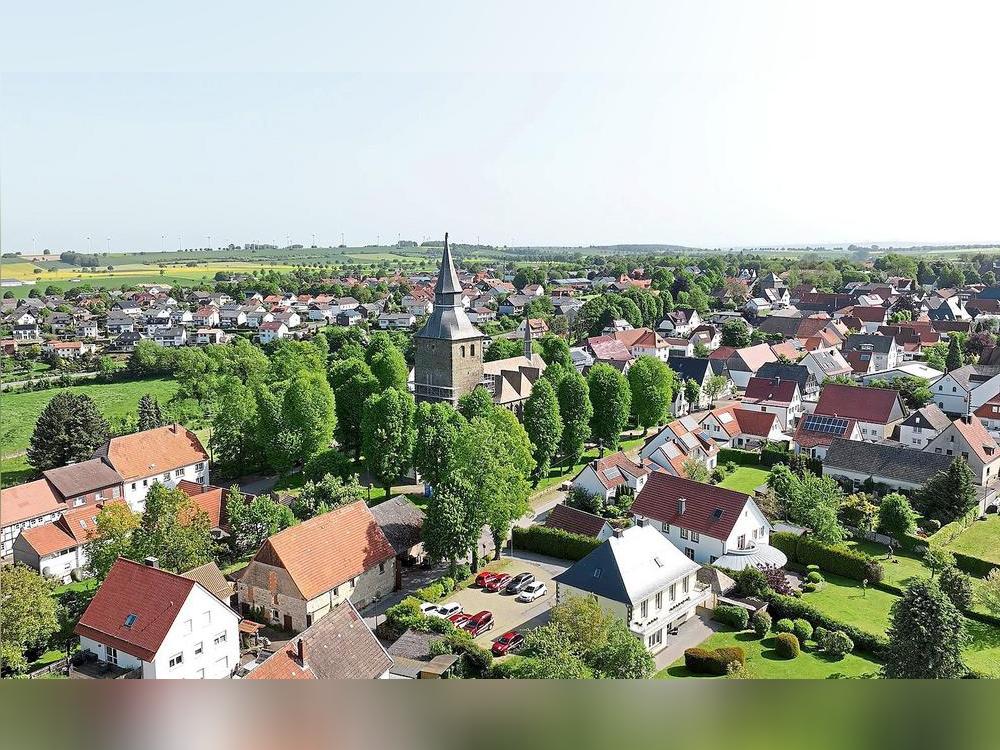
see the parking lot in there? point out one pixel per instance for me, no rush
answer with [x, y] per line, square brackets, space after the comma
[508, 613]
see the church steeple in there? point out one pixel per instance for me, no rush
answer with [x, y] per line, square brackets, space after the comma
[448, 290]
[527, 338]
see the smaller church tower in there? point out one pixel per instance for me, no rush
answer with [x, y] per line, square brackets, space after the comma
[449, 349]
[527, 339]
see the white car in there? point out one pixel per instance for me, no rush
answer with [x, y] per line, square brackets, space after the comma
[445, 610]
[428, 608]
[532, 591]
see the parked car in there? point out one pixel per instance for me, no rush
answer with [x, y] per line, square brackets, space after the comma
[497, 582]
[484, 577]
[460, 619]
[446, 610]
[428, 608]
[532, 591]
[518, 582]
[479, 623]
[508, 643]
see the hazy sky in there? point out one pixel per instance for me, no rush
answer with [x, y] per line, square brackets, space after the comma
[699, 123]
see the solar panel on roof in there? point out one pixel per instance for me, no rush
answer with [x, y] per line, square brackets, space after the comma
[826, 425]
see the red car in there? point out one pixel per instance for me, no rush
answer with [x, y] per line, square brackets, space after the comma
[508, 643]
[483, 578]
[497, 582]
[460, 619]
[479, 623]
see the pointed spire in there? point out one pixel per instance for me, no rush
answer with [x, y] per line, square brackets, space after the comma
[527, 338]
[447, 281]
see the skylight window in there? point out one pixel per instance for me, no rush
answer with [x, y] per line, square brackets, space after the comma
[130, 620]
[597, 572]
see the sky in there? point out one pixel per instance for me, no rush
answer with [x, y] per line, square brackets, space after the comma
[708, 124]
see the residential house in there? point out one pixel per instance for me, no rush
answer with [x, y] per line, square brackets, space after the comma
[677, 443]
[968, 438]
[881, 351]
[877, 410]
[774, 396]
[301, 573]
[160, 625]
[209, 336]
[402, 522]
[922, 426]
[680, 322]
[268, 332]
[709, 524]
[639, 577]
[291, 319]
[396, 321]
[576, 521]
[120, 324]
[171, 337]
[700, 371]
[809, 387]
[207, 317]
[69, 349]
[232, 318]
[257, 316]
[126, 342]
[610, 476]
[825, 364]
[514, 304]
[900, 468]
[210, 576]
[609, 350]
[340, 646]
[757, 307]
[349, 318]
[164, 455]
[58, 548]
[25, 332]
[816, 432]
[742, 364]
[735, 427]
[965, 389]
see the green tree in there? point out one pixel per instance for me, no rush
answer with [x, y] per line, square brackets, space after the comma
[714, 387]
[926, 635]
[501, 348]
[576, 412]
[735, 333]
[811, 501]
[438, 425]
[555, 350]
[988, 592]
[236, 447]
[452, 527]
[326, 494]
[651, 385]
[69, 430]
[150, 415]
[955, 358]
[692, 392]
[252, 522]
[612, 401]
[387, 362]
[948, 495]
[174, 530]
[478, 403]
[957, 586]
[27, 614]
[896, 517]
[353, 382]
[112, 538]
[387, 435]
[543, 425]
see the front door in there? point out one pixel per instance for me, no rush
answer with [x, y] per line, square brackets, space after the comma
[288, 622]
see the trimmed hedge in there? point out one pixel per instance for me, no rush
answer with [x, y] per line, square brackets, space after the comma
[803, 630]
[784, 625]
[737, 617]
[761, 622]
[743, 458]
[787, 645]
[717, 661]
[974, 566]
[804, 550]
[790, 607]
[554, 542]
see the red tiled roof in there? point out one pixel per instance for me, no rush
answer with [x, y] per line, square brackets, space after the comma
[658, 500]
[723, 352]
[855, 402]
[48, 539]
[151, 452]
[808, 439]
[574, 521]
[869, 314]
[618, 461]
[29, 500]
[860, 362]
[644, 337]
[325, 551]
[608, 348]
[770, 391]
[978, 438]
[154, 596]
[757, 423]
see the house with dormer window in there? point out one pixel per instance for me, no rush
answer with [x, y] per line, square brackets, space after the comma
[968, 438]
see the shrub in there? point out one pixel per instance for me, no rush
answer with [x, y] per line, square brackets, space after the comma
[808, 588]
[819, 634]
[737, 617]
[750, 581]
[829, 558]
[554, 542]
[957, 586]
[787, 645]
[814, 576]
[837, 644]
[784, 625]
[330, 461]
[702, 661]
[432, 592]
[461, 573]
[932, 525]
[785, 541]
[776, 580]
[803, 630]
[813, 568]
[447, 585]
[761, 622]
[788, 607]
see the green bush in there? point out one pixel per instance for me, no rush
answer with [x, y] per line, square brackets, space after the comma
[447, 585]
[803, 630]
[736, 456]
[787, 645]
[814, 576]
[819, 634]
[838, 560]
[809, 588]
[836, 643]
[432, 592]
[716, 662]
[785, 541]
[974, 566]
[554, 542]
[932, 525]
[737, 617]
[812, 568]
[761, 622]
[750, 581]
[789, 607]
[330, 461]
[957, 586]
[784, 625]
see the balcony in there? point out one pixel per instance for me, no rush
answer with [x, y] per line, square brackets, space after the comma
[663, 617]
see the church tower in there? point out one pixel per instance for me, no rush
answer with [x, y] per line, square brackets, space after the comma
[449, 349]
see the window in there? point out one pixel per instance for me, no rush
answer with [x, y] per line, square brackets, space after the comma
[684, 533]
[381, 567]
[221, 637]
[644, 609]
[275, 617]
[199, 648]
[656, 638]
[463, 350]
[659, 600]
[166, 477]
[145, 482]
[695, 536]
[472, 350]
[664, 527]
[189, 626]
[741, 541]
[690, 553]
[176, 660]
[223, 663]
[673, 591]
[133, 486]
[712, 559]
[336, 590]
[686, 584]
[199, 467]
[354, 582]
[77, 502]
[206, 617]
[309, 620]
[111, 654]
[179, 473]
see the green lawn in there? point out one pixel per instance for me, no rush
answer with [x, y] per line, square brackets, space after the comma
[745, 479]
[15, 471]
[904, 569]
[845, 600]
[764, 663]
[559, 474]
[84, 586]
[981, 539]
[21, 410]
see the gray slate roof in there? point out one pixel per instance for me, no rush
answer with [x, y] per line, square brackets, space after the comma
[401, 521]
[889, 461]
[928, 416]
[80, 478]
[880, 344]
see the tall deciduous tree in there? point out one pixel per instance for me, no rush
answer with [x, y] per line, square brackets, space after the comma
[735, 333]
[235, 443]
[926, 635]
[27, 614]
[714, 386]
[150, 415]
[895, 516]
[543, 425]
[116, 523]
[576, 412]
[811, 501]
[612, 401]
[555, 350]
[651, 384]
[387, 435]
[452, 527]
[69, 429]
[387, 362]
[353, 382]
[478, 403]
[174, 530]
[438, 425]
[252, 522]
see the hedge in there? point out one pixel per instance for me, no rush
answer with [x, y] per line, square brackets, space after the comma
[974, 566]
[842, 561]
[737, 617]
[717, 661]
[554, 542]
[782, 606]
[743, 458]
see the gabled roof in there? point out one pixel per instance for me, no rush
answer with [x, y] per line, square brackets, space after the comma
[754, 357]
[817, 430]
[928, 416]
[48, 539]
[151, 452]
[209, 576]
[971, 377]
[659, 500]
[611, 468]
[783, 371]
[153, 596]
[978, 438]
[772, 391]
[868, 341]
[756, 423]
[608, 348]
[29, 500]
[401, 521]
[83, 477]
[863, 404]
[885, 460]
[328, 550]
[691, 368]
[630, 567]
[575, 521]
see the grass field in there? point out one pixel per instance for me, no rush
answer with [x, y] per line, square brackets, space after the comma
[845, 600]
[745, 479]
[764, 663]
[19, 411]
[981, 539]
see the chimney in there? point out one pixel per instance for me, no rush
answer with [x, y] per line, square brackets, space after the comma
[617, 532]
[967, 418]
[300, 649]
[681, 506]
[152, 562]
